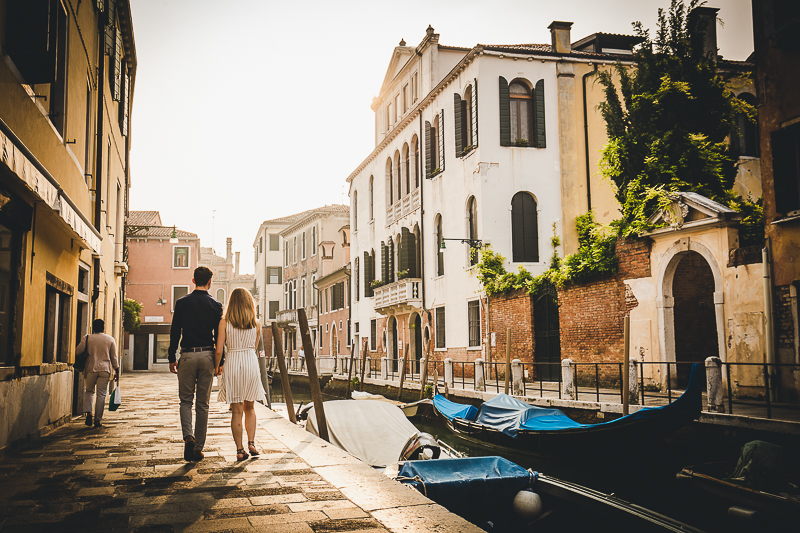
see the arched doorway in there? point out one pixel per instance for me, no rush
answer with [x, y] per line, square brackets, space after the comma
[392, 348]
[694, 315]
[546, 333]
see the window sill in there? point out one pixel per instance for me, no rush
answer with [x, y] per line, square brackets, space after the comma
[181, 268]
[440, 349]
[474, 348]
[439, 173]
[467, 152]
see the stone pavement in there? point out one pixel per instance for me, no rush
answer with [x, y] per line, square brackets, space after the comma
[130, 476]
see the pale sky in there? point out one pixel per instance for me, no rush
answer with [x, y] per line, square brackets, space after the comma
[248, 110]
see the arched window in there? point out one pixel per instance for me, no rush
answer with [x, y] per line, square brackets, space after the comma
[398, 177]
[389, 188]
[355, 210]
[406, 170]
[294, 249]
[303, 245]
[221, 296]
[294, 294]
[439, 251]
[357, 283]
[371, 198]
[314, 289]
[303, 293]
[521, 113]
[313, 240]
[472, 228]
[415, 148]
[524, 228]
[466, 118]
[744, 138]
[286, 295]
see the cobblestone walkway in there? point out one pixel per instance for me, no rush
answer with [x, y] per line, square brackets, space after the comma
[130, 476]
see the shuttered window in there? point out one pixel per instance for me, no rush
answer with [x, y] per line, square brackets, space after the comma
[472, 222]
[429, 149]
[440, 133]
[505, 114]
[407, 253]
[275, 242]
[116, 72]
[465, 112]
[458, 120]
[274, 275]
[355, 268]
[440, 340]
[522, 114]
[389, 183]
[124, 105]
[524, 228]
[474, 322]
[474, 112]
[373, 334]
[273, 309]
[786, 169]
[439, 251]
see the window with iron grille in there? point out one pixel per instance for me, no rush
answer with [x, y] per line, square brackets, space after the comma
[440, 341]
[474, 318]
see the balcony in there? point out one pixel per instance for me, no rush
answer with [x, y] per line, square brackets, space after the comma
[405, 206]
[399, 297]
[288, 317]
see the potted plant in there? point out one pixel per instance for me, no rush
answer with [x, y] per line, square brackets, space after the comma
[375, 283]
[521, 142]
[402, 274]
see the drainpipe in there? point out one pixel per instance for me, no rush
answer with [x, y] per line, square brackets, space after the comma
[768, 333]
[586, 140]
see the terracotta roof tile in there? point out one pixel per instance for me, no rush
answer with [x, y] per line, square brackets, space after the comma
[144, 218]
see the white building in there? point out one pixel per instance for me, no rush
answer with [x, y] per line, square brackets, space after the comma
[483, 144]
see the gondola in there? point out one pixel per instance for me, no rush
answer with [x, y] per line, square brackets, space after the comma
[506, 422]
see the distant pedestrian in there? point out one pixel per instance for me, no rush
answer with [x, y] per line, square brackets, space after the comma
[302, 356]
[240, 377]
[97, 373]
[194, 325]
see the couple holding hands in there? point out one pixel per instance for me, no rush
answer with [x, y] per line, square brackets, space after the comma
[213, 345]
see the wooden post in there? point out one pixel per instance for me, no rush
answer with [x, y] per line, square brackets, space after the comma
[626, 401]
[313, 380]
[350, 370]
[363, 364]
[423, 378]
[403, 374]
[287, 392]
[508, 358]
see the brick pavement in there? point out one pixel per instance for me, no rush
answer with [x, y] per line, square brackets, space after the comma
[130, 476]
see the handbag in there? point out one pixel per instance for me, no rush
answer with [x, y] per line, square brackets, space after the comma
[115, 399]
[80, 359]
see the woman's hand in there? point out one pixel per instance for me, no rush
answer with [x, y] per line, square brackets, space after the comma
[218, 370]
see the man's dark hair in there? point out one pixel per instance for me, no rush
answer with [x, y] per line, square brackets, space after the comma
[202, 275]
[98, 325]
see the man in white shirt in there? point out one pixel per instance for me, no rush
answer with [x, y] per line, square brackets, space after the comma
[101, 361]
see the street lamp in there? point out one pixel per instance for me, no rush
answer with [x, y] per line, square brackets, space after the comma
[173, 239]
[473, 243]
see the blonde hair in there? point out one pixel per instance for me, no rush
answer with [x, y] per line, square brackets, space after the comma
[241, 311]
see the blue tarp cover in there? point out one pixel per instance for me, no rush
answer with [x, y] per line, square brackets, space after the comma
[476, 488]
[509, 415]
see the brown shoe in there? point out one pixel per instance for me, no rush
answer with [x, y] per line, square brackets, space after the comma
[197, 455]
[188, 448]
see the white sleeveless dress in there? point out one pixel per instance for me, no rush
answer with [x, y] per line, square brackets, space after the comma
[241, 377]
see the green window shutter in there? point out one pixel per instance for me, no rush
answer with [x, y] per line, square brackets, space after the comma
[391, 268]
[111, 27]
[538, 97]
[505, 114]
[428, 150]
[441, 140]
[124, 100]
[115, 86]
[367, 287]
[29, 42]
[457, 118]
[384, 262]
[474, 112]
[408, 253]
[280, 275]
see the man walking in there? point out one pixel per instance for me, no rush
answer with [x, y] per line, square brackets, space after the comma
[194, 324]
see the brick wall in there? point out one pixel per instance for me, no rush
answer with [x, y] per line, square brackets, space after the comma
[590, 314]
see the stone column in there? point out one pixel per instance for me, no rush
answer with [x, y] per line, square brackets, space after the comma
[448, 373]
[480, 379]
[714, 385]
[633, 382]
[567, 379]
[384, 368]
[517, 386]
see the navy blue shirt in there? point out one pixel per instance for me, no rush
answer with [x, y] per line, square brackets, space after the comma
[195, 322]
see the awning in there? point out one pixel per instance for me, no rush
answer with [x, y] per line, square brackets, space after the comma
[33, 177]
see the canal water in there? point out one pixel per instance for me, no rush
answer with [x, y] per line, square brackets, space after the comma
[643, 477]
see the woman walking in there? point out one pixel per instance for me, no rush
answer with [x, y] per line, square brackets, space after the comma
[240, 377]
[102, 359]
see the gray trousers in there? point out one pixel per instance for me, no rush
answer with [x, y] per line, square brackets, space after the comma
[99, 381]
[195, 378]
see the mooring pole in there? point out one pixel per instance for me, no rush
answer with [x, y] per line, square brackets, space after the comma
[287, 392]
[350, 369]
[626, 361]
[423, 378]
[402, 375]
[363, 364]
[508, 358]
[313, 380]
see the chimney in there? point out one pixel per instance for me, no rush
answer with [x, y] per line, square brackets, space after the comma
[704, 19]
[236, 269]
[559, 34]
[228, 251]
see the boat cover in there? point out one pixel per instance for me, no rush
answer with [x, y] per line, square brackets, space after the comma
[509, 415]
[476, 488]
[374, 431]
